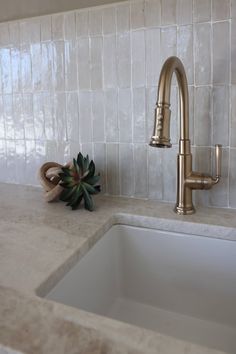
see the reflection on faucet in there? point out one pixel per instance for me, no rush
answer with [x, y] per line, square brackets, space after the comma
[187, 180]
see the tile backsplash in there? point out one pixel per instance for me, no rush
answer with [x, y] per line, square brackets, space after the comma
[86, 81]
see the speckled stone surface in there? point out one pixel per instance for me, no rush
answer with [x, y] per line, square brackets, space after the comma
[40, 242]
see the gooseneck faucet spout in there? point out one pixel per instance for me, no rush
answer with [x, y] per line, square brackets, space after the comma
[187, 180]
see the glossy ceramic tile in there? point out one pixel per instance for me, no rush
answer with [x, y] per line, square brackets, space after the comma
[168, 12]
[87, 80]
[221, 52]
[201, 10]
[152, 13]
[184, 12]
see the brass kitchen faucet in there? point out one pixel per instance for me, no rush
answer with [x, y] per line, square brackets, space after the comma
[187, 180]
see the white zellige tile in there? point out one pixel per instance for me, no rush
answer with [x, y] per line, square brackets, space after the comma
[126, 168]
[20, 161]
[82, 23]
[59, 66]
[140, 171]
[8, 116]
[100, 163]
[220, 125]
[3, 161]
[202, 116]
[152, 13]
[26, 69]
[201, 10]
[11, 167]
[155, 173]
[220, 10]
[72, 116]
[219, 196]
[34, 30]
[184, 12]
[14, 33]
[51, 151]
[98, 116]
[30, 162]
[151, 98]
[49, 120]
[87, 149]
[71, 81]
[174, 121]
[15, 69]
[69, 26]
[46, 28]
[24, 32]
[60, 116]
[5, 60]
[139, 115]
[153, 51]
[185, 50]
[2, 119]
[58, 26]
[85, 116]
[46, 66]
[191, 113]
[169, 157]
[221, 54]
[111, 115]
[63, 152]
[38, 111]
[95, 22]
[123, 60]
[137, 14]
[233, 9]
[109, 20]
[202, 43]
[233, 117]
[4, 34]
[168, 42]
[109, 61]
[233, 50]
[125, 115]
[113, 171]
[232, 179]
[40, 154]
[36, 56]
[123, 17]
[84, 74]
[27, 108]
[96, 63]
[138, 58]
[168, 12]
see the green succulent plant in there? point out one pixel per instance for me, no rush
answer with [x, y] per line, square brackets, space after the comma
[79, 182]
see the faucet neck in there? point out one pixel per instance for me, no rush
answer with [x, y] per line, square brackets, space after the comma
[173, 64]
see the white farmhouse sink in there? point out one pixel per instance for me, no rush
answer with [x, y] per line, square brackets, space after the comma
[177, 284]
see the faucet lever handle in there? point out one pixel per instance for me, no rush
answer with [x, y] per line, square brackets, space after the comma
[218, 160]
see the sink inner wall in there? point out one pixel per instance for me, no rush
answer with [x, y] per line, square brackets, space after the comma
[178, 284]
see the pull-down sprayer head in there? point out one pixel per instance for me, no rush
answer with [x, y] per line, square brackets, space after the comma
[161, 132]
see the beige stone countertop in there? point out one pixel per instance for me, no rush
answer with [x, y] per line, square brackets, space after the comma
[40, 242]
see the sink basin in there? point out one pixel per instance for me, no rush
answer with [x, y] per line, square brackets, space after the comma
[181, 285]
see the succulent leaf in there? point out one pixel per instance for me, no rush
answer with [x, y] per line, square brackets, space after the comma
[88, 202]
[67, 193]
[86, 162]
[80, 162]
[90, 188]
[93, 180]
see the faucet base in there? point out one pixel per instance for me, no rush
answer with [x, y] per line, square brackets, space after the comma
[184, 210]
